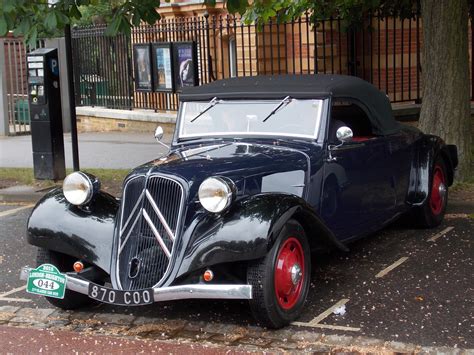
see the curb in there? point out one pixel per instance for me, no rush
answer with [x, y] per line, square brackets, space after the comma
[23, 194]
[290, 339]
[21, 198]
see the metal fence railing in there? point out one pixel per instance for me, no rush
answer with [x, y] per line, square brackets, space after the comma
[16, 84]
[384, 51]
[102, 69]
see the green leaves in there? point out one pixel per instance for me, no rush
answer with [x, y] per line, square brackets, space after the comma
[3, 25]
[239, 6]
[51, 21]
[33, 18]
[8, 6]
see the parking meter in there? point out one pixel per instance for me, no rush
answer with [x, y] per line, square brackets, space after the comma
[45, 114]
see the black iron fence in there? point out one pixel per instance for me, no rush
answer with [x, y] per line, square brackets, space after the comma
[13, 50]
[385, 51]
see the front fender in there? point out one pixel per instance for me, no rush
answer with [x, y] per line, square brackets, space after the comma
[84, 233]
[248, 230]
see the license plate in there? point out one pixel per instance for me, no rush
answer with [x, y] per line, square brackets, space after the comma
[119, 297]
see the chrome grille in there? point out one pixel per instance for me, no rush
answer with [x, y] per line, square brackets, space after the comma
[151, 212]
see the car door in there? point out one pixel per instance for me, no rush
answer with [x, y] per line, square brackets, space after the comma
[358, 191]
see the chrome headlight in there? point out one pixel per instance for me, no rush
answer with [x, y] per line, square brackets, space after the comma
[78, 188]
[215, 194]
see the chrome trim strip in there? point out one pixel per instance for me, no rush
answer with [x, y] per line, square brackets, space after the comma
[121, 246]
[157, 234]
[124, 226]
[160, 216]
[234, 292]
[210, 291]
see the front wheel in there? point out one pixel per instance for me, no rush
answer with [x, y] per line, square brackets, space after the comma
[280, 281]
[71, 300]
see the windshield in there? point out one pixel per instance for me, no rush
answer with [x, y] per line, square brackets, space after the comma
[297, 118]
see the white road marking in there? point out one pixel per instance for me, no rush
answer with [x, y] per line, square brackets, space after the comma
[327, 326]
[15, 210]
[8, 299]
[315, 322]
[329, 311]
[440, 234]
[456, 215]
[18, 289]
[11, 299]
[391, 267]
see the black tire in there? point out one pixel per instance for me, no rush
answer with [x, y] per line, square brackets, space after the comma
[267, 307]
[71, 300]
[431, 214]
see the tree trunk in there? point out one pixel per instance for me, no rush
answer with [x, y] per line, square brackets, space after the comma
[445, 110]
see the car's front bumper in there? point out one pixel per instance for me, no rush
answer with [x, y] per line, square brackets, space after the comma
[204, 291]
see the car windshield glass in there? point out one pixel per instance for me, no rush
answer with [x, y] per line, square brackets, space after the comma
[300, 118]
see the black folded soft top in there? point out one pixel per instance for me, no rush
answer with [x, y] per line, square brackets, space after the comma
[376, 104]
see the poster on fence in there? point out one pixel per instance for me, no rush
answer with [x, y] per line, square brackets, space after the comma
[162, 67]
[142, 67]
[185, 64]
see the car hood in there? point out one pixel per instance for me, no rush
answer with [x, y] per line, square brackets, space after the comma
[254, 168]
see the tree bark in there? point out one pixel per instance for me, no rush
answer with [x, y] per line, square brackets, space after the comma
[445, 109]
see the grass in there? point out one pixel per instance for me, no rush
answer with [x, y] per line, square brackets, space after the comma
[111, 179]
[24, 176]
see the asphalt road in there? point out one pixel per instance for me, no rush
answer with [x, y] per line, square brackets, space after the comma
[426, 299]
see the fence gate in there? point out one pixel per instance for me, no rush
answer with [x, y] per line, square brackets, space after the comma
[15, 75]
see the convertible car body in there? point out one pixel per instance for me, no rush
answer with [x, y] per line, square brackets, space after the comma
[261, 172]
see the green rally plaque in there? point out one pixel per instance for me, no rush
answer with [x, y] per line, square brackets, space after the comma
[46, 280]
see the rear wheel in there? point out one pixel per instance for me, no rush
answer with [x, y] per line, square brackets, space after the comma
[431, 214]
[71, 300]
[280, 281]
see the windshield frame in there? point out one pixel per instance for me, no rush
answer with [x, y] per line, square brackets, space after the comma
[179, 137]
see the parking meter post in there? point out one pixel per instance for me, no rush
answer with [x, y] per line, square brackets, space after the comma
[44, 96]
[72, 99]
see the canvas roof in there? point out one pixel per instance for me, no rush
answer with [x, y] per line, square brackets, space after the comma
[342, 87]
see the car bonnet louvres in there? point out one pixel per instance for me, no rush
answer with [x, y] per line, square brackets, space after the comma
[152, 209]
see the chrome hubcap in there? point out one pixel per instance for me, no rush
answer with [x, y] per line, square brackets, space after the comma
[296, 273]
[442, 191]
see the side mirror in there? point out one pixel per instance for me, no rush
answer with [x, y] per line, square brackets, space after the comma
[344, 134]
[159, 136]
[159, 133]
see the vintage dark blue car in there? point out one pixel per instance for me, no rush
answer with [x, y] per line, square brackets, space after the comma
[261, 172]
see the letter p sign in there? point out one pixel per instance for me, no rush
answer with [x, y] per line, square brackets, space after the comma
[54, 66]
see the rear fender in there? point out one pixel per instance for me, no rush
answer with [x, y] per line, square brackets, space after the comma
[429, 148]
[248, 231]
[85, 233]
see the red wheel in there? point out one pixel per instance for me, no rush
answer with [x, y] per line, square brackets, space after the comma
[431, 213]
[289, 271]
[438, 191]
[280, 281]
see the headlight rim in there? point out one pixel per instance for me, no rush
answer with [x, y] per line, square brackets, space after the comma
[230, 193]
[92, 183]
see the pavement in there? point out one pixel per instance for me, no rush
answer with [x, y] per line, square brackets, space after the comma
[107, 150]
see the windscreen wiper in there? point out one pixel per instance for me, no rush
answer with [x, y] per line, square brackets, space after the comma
[282, 104]
[212, 103]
